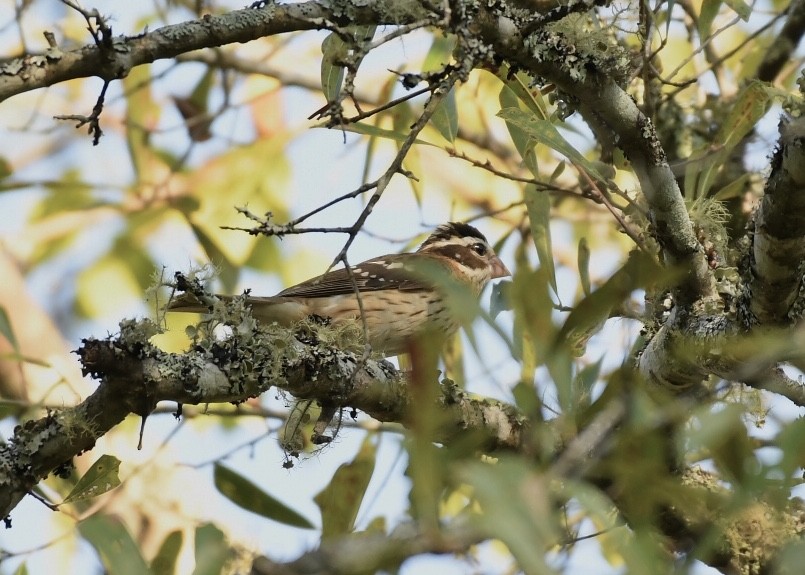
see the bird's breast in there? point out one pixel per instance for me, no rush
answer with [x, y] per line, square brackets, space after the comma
[393, 317]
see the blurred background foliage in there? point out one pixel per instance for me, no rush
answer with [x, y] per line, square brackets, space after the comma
[86, 232]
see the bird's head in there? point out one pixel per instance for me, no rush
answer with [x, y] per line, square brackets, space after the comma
[467, 252]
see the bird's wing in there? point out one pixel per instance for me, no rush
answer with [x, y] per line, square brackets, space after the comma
[385, 272]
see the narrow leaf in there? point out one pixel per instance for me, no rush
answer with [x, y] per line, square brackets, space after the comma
[591, 312]
[7, 331]
[538, 205]
[517, 509]
[445, 117]
[749, 107]
[100, 478]
[440, 53]
[334, 52]
[165, 561]
[544, 132]
[370, 130]
[212, 550]
[732, 190]
[340, 500]
[521, 140]
[247, 495]
[584, 265]
[740, 7]
[519, 85]
[118, 551]
[707, 15]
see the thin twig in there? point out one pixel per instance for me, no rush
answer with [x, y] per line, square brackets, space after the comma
[93, 119]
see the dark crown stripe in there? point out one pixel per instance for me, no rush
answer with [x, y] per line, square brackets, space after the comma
[453, 230]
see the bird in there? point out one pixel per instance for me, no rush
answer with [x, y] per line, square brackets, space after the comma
[402, 296]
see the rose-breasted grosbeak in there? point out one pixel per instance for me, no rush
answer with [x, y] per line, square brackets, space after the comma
[400, 294]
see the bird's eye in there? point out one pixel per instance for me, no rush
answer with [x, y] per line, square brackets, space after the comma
[479, 249]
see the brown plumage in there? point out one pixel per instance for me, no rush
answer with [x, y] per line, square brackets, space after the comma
[398, 293]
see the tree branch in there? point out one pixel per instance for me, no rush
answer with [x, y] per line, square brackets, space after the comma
[31, 72]
[779, 238]
[369, 552]
[135, 376]
[549, 55]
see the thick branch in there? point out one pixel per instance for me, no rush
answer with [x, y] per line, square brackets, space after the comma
[135, 376]
[370, 552]
[31, 72]
[779, 240]
[550, 56]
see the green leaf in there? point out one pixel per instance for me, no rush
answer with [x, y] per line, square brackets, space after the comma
[732, 190]
[118, 551]
[791, 441]
[201, 93]
[790, 559]
[583, 259]
[333, 51]
[5, 168]
[521, 140]
[196, 111]
[519, 85]
[101, 477]
[247, 495]
[402, 118]
[707, 15]
[723, 435]
[440, 53]
[583, 384]
[165, 561]
[538, 205]
[750, 106]
[518, 509]
[544, 132]
[340, 501]
[7, 331]
[370, 130]
[740, 7]
[592, 311]
[212, 550]
[445, 117]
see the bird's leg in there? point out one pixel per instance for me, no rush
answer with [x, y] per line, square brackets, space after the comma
[325, 417]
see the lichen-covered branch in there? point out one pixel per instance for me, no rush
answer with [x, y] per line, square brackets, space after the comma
[593, 81]
[779, 238]
[36, 71]
[135, 376]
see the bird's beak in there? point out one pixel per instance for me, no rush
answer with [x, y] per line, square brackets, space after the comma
[499, 269]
